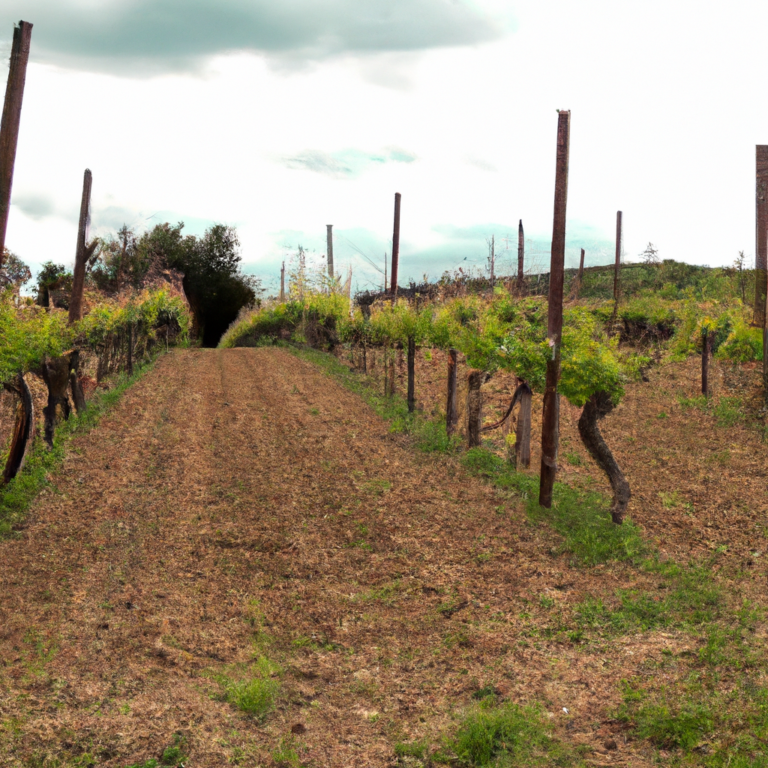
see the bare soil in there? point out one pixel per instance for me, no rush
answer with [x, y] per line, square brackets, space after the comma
[240, 503]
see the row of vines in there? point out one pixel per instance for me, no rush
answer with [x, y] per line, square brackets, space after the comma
[72, 358]
[501, 331]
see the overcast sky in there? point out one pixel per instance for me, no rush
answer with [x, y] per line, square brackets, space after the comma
[280, 118]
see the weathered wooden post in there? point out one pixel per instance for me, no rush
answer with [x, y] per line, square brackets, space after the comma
[329, 236]
[411, 374]
[395, 246]
[617, 265]
[282, 283]
[550, 418]
[706, 344]
[475, 381]
[761, 233]
[523, 433]
[520, 257]
[78, 280]
[579, 276]
[451, 409]
[9, 127]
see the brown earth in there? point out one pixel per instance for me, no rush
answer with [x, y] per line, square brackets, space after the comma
[239, 504]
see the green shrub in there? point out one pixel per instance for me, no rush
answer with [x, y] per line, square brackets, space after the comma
[743, 344]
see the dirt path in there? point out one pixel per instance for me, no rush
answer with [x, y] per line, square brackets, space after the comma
[239, 504]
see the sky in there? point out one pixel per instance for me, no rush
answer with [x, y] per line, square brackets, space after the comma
[281, 118]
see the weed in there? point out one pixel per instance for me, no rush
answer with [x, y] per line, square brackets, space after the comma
[574, 459]
[254, 695]
[507, 734]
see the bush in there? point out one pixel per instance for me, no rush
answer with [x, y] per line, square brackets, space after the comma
[743, 344]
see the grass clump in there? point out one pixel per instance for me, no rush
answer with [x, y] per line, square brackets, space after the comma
[17, 496]
[172, 756]
[254, 694]
[506, 734]
[583, 519]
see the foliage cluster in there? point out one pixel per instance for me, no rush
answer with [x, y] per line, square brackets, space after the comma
[31, 333]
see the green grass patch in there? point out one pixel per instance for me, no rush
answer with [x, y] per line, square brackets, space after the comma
[507, 734]
[582, 518]
[18, 495]
[254, 692]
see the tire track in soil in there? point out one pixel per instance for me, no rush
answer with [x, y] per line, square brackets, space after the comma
[228, 482]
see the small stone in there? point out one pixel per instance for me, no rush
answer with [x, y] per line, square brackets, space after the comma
[610, 744]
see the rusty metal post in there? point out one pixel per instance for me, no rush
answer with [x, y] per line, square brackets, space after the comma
[761, 235]
[9, 128]
[282, 283]
[520, 256]
[451, 408]
[329, 236]
[78, 280]
[617, 266]
[395, 245]
[550, 417]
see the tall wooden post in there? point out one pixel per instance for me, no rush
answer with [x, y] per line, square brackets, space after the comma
[395, 245]
[9, 128]
[550, 417]
[282, 283]
[617, 266]
[329, 235]
[451, 409]
[761, 233]
[411, 374]
[520, 256]
[78, 280]
[579, 276]
[706, 345]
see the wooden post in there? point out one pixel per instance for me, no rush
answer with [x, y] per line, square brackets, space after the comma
[520, 257]
[329, 236]
[617, 265]
[493, 259]
[451, 409]
[9, 128]
[706, 342]
[78, 281]
[282, 283]
[580, 276]
[395, 246]
[411, 374]
[523, 434]
[130, 349]
[475, 381]
[550, 417]
[761, 233]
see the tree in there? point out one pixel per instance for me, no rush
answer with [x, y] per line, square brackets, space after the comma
[13, 271]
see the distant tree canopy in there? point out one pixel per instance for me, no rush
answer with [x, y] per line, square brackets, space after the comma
[210, 264]
[13, 271]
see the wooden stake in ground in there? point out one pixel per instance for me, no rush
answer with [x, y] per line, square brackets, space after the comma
[9, 128]
[520, 257]
[78, 281]
[761, 233]
[617, 265]
[395, 245]
[550, 417]
[580, 276]
[451, 409]
[282, 283]
[523, 433]
[706, 348]
[411, 374]
[329, 227]
[475, 380]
